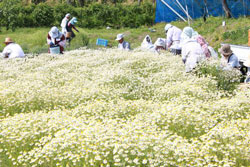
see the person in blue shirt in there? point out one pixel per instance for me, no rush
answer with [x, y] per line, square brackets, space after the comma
[230, 59]
[123, 45]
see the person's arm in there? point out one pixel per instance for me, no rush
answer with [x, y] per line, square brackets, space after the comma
[127, 46]
[184, 54]
[169, 37]
[49, 41]
[6, 52]
[62, 42]
[75, 28]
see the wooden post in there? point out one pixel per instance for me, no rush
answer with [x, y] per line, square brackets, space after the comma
[249, 37]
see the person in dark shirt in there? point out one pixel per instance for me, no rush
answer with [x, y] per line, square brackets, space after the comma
[69, 28]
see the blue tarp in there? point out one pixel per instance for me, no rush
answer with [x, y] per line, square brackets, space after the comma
[196, 9]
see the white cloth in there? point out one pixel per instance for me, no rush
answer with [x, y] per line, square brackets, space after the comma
[13, 50]
[147, 43]
[124, 45]
[174, 38]
[63, 25]
[192, 54]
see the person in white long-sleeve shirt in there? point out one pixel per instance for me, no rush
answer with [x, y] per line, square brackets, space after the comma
[64, 23]
[12, 50]
[173, 39]
[122, 44]
[229, 59]
[192, 52]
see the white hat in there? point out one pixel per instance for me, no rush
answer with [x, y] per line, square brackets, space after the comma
[54, 32]
[67, 15]
[247, 63]
[188, 31]
[168, 26]
[119, 37]
[160, 42]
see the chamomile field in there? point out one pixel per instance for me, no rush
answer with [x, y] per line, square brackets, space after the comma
[111, 108]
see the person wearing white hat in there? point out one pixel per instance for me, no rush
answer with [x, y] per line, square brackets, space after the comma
[188, 32]
[56, 38]
[173, 39]
[12, 50]
[247, 64]
[69, 28]
[64, 23]
[160, 44]
[122, 44]
[147, 43]
[192, 52]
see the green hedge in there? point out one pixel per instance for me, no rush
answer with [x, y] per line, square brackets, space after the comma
[95, 15]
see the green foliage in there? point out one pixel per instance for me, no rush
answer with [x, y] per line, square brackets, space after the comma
[9, 11]
[241, 33]
[14, 14]
[85, 40]
[43, 15]
[227, 80]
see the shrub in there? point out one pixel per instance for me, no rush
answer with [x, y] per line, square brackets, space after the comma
[85, 39]
[226, 79]
[8, 14]
[43, 15]
[14, 14]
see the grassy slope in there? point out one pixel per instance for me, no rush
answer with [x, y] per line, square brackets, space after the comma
[34, 39]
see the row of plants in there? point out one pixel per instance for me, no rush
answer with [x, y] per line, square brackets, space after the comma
[14, 14]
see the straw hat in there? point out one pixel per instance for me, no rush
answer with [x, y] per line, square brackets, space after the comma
[54, 32]
[119, 37]
[8, 40]
[247, 63]
[226, 50]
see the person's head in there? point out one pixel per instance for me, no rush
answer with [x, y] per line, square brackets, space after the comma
[8, 41]
[159, 44]
[67, 15]
[54, 32]
[147, 39]
[226, 51]
[167, 27]
[188, 31]
[73, 21]
[120, 38]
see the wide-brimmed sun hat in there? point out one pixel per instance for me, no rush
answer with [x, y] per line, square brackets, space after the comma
[119, 37]
[73, 21]
[247, 63]
[226, 50]
[54, 32]
[160, 42]
[8, 40]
